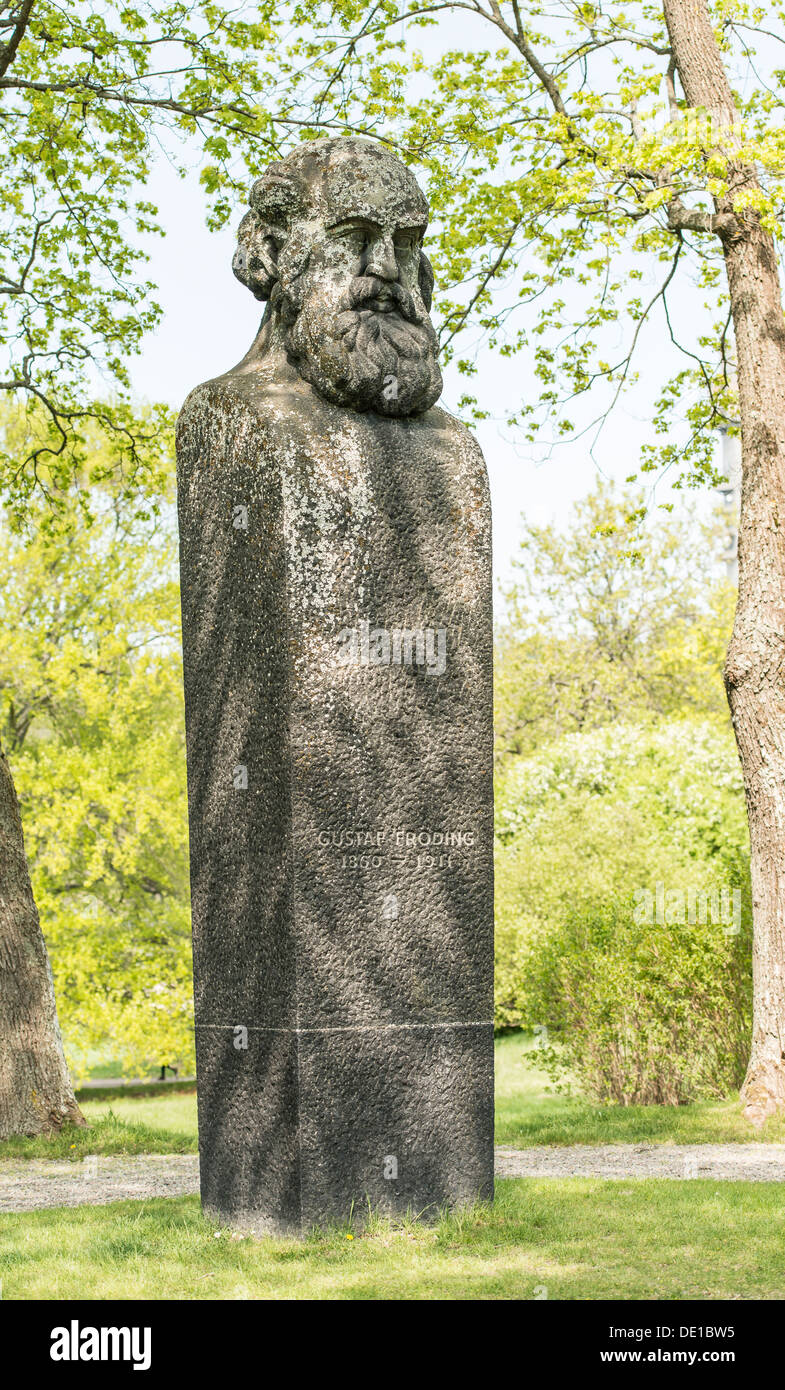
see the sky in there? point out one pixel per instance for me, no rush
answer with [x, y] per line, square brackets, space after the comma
[210, 319]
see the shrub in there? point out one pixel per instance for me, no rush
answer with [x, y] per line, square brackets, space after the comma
[643, 1012]
[604, 840]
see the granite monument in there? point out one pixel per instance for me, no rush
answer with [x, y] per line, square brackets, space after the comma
[337, 636]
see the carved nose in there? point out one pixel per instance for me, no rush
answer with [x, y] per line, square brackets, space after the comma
[381, 260]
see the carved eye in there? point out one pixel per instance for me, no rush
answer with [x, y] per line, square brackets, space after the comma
[357, 237]
[406, 241]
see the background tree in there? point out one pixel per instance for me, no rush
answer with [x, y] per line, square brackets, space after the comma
[89, 95]
[620, 616]
[618, 784]
[571, 150]
[569, 153]
[92, 714]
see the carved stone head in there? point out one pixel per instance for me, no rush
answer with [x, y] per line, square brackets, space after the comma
[333, 243]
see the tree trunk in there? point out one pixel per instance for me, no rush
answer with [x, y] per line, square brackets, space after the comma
[755, 666]
[36, 1094]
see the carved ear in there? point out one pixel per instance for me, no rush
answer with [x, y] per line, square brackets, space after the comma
[255, 262]
[276, 198]
[425, 278]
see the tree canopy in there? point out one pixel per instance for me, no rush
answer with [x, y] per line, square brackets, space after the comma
[617, 616]
[91, 714]
[573, 188]
[574, 191]
[90, 96]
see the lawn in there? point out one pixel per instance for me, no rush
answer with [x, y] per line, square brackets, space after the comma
[527, 1112]
[556, 1238]
[560, 1239]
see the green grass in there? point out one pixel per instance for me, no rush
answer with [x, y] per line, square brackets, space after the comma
[527, 1112]
[564, 1239]
[107, 1071]
[156, 1125]
[174, 1112]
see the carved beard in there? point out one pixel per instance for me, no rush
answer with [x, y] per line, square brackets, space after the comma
[375, 351]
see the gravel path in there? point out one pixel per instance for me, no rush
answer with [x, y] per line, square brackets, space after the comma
[30, 1184]
[742, 1162]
